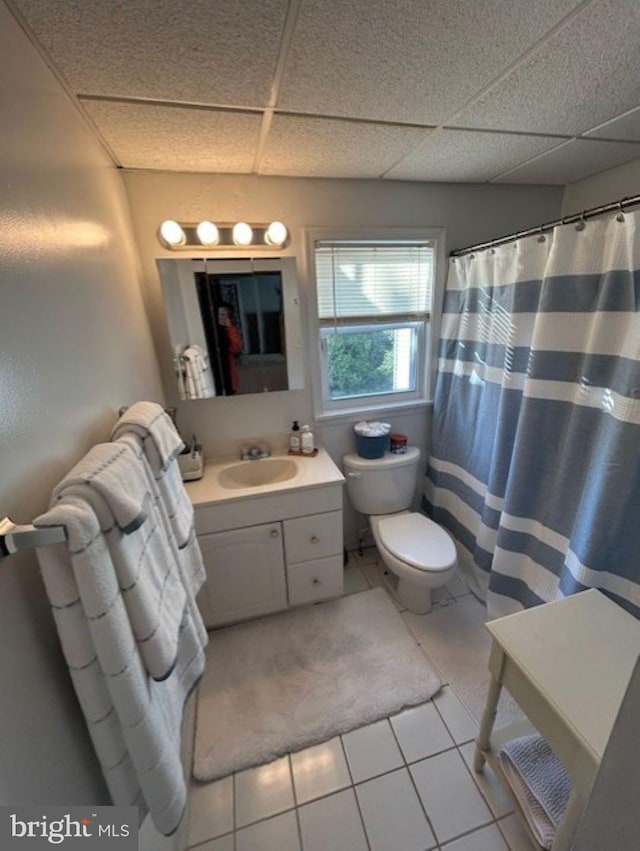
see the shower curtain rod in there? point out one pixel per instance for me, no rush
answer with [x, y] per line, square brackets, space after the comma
[631, 201]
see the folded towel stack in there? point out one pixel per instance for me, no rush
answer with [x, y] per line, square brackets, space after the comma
[126, 623]
[539, 782]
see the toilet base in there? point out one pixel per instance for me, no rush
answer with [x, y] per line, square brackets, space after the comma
[408, 595]
[413, 597]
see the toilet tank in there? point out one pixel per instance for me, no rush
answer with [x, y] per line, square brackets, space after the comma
[381, 485]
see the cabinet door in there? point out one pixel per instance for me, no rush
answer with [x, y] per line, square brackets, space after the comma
[245, 574]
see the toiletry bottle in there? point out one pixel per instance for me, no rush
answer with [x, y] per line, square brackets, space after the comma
[306, 440]
[294, 437]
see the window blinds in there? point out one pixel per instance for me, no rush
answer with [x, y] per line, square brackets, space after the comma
[373, 281]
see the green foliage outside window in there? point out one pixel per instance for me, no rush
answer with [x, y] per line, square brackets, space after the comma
[360, 363]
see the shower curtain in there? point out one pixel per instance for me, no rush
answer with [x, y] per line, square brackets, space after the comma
[535, 459]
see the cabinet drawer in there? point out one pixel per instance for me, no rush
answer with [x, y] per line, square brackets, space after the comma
[315, 580]
[313, 537]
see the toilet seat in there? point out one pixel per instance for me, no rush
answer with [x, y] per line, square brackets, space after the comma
[417, 541]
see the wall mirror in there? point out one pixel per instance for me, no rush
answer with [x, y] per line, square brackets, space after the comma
[234, 325]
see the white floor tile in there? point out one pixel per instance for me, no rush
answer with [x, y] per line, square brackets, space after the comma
[498, 800]
[515, 834]
[393, 816]
[275, 834]
[450, 797]
[457, 587]
[224, 843]
[486, 839]
[332, 823]
[421, 732]
[461, 725]
[262, 792]
[372, 750]
[210, 810]
[355, 580]
[319, 771]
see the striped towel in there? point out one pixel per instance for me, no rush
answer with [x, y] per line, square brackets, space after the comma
[539, 782]
[134, 721]
[113, 482]
[156, 436]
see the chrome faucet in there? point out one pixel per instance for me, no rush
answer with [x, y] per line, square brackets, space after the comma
[255, 452]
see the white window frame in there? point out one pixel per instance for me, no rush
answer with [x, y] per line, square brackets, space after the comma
[326, 408]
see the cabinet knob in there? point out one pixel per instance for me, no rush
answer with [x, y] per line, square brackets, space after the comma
[316, 582]
[274, 533]
[314, 539]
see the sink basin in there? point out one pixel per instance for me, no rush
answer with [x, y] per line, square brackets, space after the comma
[251, 474]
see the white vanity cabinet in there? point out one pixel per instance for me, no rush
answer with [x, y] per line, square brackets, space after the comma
[245, 574]
[272, 548]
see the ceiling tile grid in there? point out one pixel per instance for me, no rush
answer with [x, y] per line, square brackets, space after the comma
[320, 147]
[531, 91]
[177, 138]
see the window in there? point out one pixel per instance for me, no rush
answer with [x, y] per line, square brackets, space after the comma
[373, 306]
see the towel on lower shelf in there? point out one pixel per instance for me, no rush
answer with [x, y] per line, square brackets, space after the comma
[539, 782]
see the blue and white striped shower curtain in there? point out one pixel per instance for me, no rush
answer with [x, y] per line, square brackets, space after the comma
[535, 459]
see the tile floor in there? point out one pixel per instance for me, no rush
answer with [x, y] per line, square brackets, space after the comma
[404, 783]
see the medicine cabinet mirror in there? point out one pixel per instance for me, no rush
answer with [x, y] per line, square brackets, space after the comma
[234, 325]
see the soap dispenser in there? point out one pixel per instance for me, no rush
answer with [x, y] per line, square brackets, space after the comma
[306, 441]
[294, 438]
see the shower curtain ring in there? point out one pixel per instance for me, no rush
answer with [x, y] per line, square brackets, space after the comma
[620, 216]
[541, 236]
[581, 224]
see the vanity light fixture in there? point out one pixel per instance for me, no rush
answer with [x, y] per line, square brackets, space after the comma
[242, 233]
[276, 234]
[208, 233]
[222, 235]
[172, 234]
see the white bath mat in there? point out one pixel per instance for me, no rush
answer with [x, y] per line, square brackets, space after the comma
[288, 681]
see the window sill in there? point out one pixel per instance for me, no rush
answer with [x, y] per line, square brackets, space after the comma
[362, 413]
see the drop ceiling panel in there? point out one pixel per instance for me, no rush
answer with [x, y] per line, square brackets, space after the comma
[468, 156]
[322, 147]
[186, 50]
[406, 60]
[177, 139]
[573, 161]
[626, 127]
[585, 74]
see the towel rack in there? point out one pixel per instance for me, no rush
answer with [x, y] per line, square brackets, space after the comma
[14, 537]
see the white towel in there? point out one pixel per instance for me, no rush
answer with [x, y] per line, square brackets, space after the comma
[151, 422]
[539, 782]
[198, 381]
[134, 721]
[166, 474]
[113, 482]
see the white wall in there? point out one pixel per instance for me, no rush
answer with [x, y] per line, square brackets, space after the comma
[75, 345]
[611, 185]
[470, 213]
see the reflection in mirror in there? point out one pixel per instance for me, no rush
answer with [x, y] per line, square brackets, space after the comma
[233, 324]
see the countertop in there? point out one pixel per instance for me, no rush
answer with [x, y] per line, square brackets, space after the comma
[313, 472]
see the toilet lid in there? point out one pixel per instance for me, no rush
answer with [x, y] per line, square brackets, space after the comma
[418, 541]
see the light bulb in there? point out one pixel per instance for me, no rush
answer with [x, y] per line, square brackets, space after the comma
[242, 234]
[276, 234]
[172, 233]
[208, 233]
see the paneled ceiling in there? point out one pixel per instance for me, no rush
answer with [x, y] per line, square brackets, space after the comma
[505, 91]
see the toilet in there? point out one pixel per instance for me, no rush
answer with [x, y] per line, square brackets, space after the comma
[416, 551]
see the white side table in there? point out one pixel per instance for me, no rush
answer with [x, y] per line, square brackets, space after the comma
[567, 664]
